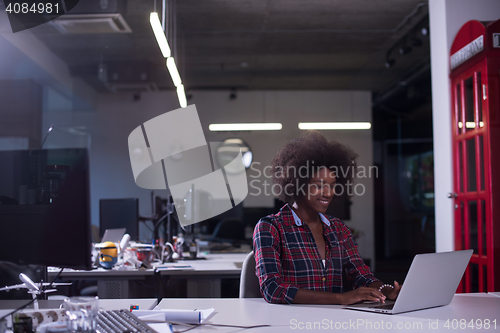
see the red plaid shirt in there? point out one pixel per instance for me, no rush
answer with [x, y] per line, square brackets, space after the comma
[287, 258]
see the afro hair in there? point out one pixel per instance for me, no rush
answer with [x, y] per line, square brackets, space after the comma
[298, 160]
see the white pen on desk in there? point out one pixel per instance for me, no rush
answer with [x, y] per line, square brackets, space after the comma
[156, 302]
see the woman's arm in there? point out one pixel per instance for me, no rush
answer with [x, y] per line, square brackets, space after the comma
[356, 269]
[305, 296]
[359, 271]
[390, 293]
[266, 242]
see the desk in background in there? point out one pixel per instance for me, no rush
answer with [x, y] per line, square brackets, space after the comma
[203, 278]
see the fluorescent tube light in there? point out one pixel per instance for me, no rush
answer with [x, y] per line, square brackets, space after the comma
[159, 34]
[335, 126]
[182, 96]
[246, 127]
[174, 73]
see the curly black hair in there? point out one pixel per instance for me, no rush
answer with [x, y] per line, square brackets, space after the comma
[310, 152]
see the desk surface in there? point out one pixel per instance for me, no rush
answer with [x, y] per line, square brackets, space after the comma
[292, 318]
[215, 264]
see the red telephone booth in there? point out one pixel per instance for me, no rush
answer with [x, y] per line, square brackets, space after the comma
[475, 93]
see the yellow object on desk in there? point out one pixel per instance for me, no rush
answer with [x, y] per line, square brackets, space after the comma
[108, 256]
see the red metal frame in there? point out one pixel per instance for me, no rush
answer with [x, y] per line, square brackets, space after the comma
[487, 63]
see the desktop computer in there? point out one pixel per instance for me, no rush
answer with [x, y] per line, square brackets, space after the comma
[45, 215]
[119, 213]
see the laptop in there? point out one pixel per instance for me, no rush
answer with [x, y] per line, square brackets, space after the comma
[432, 281]
[113, 235]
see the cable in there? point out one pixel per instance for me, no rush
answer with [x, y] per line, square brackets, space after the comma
[18, 309]
[193, 326]
[33, 300]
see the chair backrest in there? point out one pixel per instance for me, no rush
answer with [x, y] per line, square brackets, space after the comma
[249, 283]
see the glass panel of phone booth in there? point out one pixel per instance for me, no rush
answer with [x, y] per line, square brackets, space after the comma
[469, 105]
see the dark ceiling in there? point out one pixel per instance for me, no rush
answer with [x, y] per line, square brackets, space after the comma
[255, 44]
[266, 45]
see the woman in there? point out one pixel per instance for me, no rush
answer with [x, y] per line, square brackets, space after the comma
[300, 253]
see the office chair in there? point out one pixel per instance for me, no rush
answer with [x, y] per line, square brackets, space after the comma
[249, 283]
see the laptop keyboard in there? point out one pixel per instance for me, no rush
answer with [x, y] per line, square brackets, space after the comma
[121, 321]
[385, 306]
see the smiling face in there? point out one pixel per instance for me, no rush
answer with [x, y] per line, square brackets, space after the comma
[321, 189]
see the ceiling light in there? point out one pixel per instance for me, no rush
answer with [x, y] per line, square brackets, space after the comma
[246, 127]
[335, 126]
[159, 34]
[174, 73]
[247, 159]
[181, 95]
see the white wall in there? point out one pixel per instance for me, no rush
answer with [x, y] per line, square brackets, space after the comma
[117, 115]
[290, 108]
[446, 19]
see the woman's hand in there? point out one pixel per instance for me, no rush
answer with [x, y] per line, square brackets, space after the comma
[362, 294]
[392, 293]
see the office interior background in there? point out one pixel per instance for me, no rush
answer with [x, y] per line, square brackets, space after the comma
[383, 62]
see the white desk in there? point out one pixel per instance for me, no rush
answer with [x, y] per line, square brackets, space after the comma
[203, 278]
[293, 318]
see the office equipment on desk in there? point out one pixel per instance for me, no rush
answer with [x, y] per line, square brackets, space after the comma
[119, 213]
[108, 254]
[9, 275]
[111, 250]
[172, 266]
[175, 315]
[203, 278]
[121, 321]
[54, 230]
[35, 289]
[113, 235]
[432, 281]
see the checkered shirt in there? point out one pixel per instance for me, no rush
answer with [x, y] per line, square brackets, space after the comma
[287, 258]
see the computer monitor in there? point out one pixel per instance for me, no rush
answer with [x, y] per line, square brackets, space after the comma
[119, 213]
[45, 208]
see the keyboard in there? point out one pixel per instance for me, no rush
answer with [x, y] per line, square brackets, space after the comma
[121, 321]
